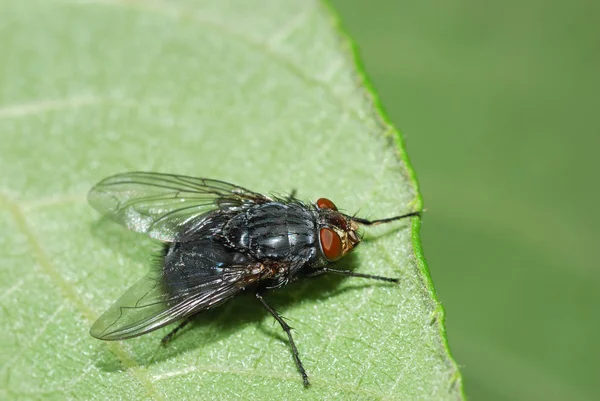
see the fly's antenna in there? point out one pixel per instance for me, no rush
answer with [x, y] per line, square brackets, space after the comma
[382, 221]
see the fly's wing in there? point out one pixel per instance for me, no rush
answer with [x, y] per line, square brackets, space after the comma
[166, 206]
[152, 303]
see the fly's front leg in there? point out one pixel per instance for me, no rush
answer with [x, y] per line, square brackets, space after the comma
[288, 331]
[350, 273]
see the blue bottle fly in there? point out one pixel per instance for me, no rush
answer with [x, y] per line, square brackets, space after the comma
[219, 240]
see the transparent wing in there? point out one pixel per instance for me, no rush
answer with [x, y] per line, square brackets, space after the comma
[153, 303]
[162, 205]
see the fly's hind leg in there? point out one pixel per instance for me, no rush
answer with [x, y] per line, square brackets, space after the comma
[288, 331]
[166, 339]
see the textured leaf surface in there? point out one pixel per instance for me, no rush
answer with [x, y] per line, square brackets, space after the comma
[262, 94]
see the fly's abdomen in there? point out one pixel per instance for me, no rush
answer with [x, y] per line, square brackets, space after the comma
[274, 231]
[186, 264]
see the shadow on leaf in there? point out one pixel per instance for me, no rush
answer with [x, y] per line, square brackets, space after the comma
[222, 322]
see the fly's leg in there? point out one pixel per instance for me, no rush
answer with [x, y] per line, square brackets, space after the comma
[166, 339]
[382, 221]
[288, 331]
[353, 274]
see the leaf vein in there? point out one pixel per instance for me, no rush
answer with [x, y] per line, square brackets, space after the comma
[136, 371]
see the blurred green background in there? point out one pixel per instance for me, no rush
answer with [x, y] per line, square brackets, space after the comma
[499, 104]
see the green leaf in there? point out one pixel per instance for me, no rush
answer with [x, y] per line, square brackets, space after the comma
[263, 94]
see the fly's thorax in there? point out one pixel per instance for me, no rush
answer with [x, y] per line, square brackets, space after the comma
[275, 231]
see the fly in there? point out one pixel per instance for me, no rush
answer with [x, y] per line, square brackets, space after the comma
[219, 240]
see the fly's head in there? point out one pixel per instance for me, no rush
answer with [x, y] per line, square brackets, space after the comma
[338, 233]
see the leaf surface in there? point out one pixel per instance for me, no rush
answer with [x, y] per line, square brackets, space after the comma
[262, 94]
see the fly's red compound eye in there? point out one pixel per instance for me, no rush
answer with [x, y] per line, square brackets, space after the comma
[331, 244]
[324, 203]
